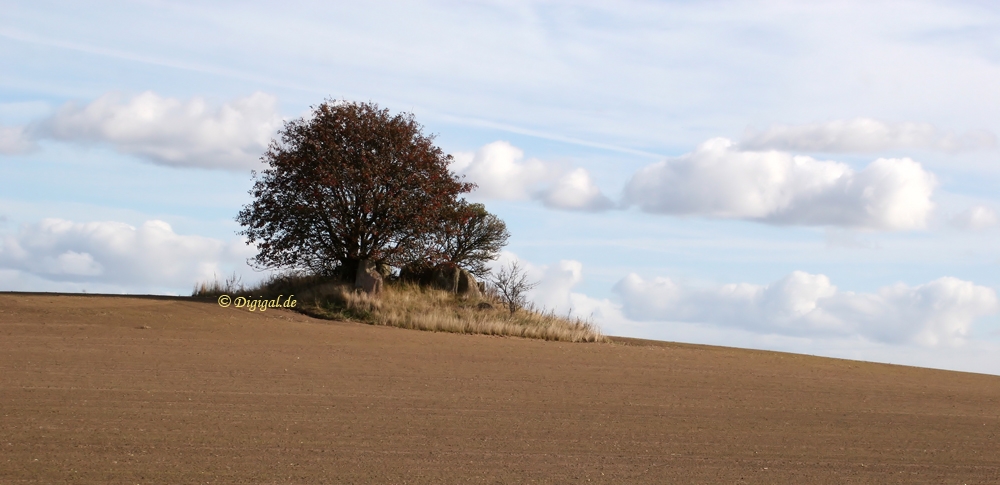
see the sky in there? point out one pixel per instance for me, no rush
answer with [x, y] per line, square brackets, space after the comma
[810, 177]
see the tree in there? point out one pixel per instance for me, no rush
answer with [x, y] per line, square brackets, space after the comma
[472, 237]
[350, 183]
[512, 285]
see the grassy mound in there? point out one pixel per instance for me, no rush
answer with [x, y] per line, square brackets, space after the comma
[408, 305]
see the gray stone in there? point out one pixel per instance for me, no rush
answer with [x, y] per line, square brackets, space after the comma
[467, 285]
[368, 279]
[385, 270]
[445, 277]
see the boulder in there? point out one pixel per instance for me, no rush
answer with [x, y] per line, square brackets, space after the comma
[445, 276]
[385, 270]
[467, 285]
[368, 279]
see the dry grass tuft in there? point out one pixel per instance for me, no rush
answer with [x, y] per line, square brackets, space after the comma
[407, 305]
[232, 286]
[410, 306]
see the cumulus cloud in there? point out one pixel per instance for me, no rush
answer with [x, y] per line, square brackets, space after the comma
[500, 172]
[15, 140]
[720, 180]
[576, 190]
[976, 218]
[862, 135]
[800, 306]
[555, 285]
[174, 132]
[937, 313]
[114, 253]
[555, 290]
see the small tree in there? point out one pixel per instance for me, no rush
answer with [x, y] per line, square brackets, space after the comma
[350, 183]
[512, 285]
[471, 237]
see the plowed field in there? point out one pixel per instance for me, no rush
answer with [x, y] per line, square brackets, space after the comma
[97, 389]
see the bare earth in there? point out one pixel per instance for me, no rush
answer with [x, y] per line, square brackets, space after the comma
[146, 390]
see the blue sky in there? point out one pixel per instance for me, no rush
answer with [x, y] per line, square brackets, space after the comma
[817, 178]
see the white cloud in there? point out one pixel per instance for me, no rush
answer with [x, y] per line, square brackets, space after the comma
[576, 190]
[863, 135]
[555, 284]
[554, 290]
[937, 313]
[973, 356]
[720, 180]
[14, 140]
[170, 131]
[117, 254]
[976, 218]
[71, 263]
[924, 325]
[500, 172]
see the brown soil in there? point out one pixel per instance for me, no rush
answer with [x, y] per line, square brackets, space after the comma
[161, 390]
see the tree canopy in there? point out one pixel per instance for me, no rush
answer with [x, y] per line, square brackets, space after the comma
[473, 237]
[351, 182]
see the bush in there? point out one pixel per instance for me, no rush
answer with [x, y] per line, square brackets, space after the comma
[408, 305]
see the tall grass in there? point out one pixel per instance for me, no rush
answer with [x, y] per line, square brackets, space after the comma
[232, 286]
[408, 305]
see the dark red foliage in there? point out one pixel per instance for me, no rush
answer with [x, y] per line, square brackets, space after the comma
[353, 182]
